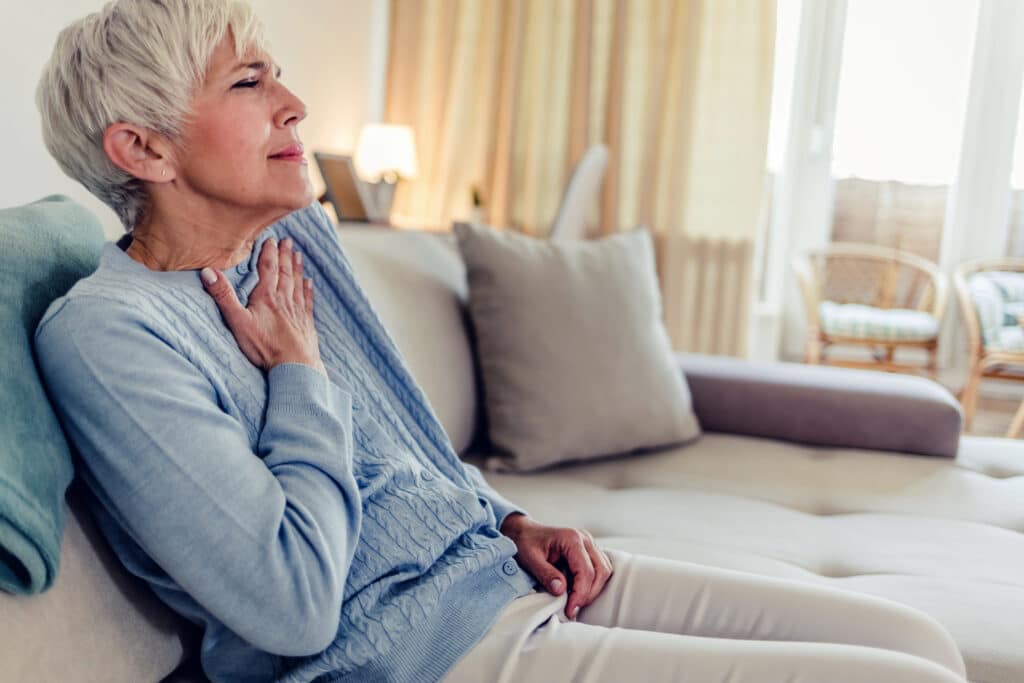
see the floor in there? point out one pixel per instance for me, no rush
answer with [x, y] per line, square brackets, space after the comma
[998, 401]
[993, 415]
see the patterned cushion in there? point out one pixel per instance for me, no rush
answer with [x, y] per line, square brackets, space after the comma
[1010, 284]
[867, 322]
[1012, 313]
[998, 298]
[1010, 338]
[988, 304]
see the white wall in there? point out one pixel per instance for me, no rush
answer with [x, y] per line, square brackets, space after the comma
[333, 54]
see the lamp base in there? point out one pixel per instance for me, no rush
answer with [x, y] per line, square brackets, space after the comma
[383, 196]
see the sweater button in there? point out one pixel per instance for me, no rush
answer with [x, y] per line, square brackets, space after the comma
[426, 475]
[510, 567]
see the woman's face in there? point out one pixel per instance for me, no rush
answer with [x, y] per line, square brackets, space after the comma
[240, 149]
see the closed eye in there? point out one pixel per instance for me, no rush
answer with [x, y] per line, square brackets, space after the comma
[247, 84]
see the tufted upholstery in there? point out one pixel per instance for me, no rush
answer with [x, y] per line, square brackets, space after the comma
[945, 535]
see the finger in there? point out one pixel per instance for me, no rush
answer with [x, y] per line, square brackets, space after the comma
[285, 259]
[299, 294]
[307, 288]
[582, 569]
[547, 574]
[218, 287]
[268, 265]
[602, 568]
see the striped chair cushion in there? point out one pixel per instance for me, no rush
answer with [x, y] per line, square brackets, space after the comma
[866, 322]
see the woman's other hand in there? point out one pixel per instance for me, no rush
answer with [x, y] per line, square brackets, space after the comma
[541, 548]
[277, 327]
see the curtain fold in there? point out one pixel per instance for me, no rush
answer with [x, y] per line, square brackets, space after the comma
[506, 95]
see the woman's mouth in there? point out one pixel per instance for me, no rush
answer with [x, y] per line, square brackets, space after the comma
[289, 153]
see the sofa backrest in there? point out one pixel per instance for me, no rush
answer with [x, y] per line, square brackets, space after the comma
[416, 281]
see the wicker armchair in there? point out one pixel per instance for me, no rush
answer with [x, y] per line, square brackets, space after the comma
[992, 310]
[865, 295]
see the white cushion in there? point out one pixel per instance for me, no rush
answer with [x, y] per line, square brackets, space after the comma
[998, 299]
[96, 623]
[1007, 338]
[867, 322]
[1010, 284]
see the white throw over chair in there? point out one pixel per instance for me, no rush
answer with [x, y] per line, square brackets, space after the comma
[580, 194]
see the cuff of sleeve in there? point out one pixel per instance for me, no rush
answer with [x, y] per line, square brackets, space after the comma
[298, 389]
[502, 507]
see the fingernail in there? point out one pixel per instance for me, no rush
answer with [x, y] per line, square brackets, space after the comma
[208, 275]
[298, 256]
[287, 242]
[556, 585]
[575, 612]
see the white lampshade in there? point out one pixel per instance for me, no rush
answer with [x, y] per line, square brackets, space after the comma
[385, 152]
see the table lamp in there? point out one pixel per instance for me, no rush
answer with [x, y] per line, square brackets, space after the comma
[384, 155]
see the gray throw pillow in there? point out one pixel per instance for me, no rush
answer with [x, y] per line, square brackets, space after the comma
[575, 359]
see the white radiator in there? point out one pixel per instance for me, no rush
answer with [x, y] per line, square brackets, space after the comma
[706, 291]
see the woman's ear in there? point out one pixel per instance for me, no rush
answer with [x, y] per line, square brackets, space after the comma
[139, 152]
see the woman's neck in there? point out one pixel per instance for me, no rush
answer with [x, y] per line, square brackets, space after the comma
[163, 246]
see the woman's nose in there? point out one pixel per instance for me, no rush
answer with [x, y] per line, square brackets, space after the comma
[292, 109]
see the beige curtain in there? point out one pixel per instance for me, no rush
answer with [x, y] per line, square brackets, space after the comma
[505, 96]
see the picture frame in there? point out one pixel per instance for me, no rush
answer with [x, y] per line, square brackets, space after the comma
[349, 195]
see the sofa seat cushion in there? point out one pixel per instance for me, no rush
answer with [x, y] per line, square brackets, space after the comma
[858, 321]
[945, 536]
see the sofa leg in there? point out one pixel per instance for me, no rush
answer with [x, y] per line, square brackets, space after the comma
[969, 399]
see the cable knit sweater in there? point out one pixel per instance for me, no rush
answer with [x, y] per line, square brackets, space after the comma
[316, 528]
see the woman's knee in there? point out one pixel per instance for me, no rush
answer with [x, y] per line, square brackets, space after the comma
[870, 665]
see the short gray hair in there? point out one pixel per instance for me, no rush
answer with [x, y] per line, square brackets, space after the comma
[134, 61]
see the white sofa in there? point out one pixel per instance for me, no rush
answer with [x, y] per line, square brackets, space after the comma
[945, 535]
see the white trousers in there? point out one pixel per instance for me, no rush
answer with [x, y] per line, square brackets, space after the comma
[659, 620]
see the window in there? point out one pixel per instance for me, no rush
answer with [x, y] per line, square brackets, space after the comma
[903, 88]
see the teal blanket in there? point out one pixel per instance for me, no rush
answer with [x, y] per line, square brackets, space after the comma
[45, 247]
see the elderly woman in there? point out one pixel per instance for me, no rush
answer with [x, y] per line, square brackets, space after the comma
[256, 451]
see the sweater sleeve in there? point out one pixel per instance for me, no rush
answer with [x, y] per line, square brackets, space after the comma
[502, 506]
[262, 540]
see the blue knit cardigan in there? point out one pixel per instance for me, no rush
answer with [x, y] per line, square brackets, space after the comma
[316, 528]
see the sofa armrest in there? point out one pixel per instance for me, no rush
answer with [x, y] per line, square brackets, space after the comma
[823, 406]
